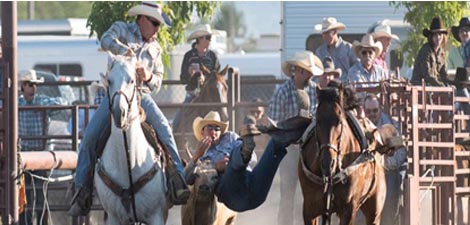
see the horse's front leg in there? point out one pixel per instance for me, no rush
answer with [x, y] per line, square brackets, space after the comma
[348, 216]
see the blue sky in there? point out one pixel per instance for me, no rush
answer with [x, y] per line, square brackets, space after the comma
[261, 17]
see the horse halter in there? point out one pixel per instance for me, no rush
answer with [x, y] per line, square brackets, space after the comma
[129, 101]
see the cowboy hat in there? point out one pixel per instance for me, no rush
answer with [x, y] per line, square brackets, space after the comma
[212, 117]
[151, 9]
[305, 60]
[436, 27]
[329, 23]
[329, 67]
[384, 30]
[29, 76]
[367, 42]
[200, 31]
[464, 22]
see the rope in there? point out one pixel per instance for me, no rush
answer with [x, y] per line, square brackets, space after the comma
[431, 171]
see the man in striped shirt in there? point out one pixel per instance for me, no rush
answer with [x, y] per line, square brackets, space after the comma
[286, 103]
[34, 123]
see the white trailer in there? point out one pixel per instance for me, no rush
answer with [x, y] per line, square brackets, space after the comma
[299, 20]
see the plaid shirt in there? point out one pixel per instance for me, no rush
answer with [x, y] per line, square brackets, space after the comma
[100, 95]
[123, 36]
[30, 121]
[283, 104]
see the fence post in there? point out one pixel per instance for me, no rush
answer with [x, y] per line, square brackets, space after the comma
[233, 95]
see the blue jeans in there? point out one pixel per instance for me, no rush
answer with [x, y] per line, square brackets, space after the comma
[465, 107]
[242, 190]
[86, 155]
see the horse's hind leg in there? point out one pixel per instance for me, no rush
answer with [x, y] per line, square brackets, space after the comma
[372, 210]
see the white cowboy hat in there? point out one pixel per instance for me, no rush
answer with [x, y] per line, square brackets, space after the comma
[212, 117]
[30, 76]
[151, 9]
[306, 60]
[367, 42]
[199, 31]
[383, 30]
[329, 23]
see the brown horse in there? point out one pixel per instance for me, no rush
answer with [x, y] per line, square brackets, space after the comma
[214, 90]
[202, 206]
[336, 176]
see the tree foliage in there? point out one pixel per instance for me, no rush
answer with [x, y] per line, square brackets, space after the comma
[54, 9]
[103, 14]
[419, 16]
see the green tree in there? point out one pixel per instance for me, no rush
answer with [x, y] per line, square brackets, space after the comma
[103, 14]
[419, 16]
[230, 20]
[54, 10]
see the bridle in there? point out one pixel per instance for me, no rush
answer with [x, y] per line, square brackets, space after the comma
[129, 101]
[328, 180]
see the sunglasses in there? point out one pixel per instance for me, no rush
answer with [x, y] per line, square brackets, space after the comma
[368, 111]
[208, 37]
[213, 127]
[155, 23]
[29, 84]
[367, 52]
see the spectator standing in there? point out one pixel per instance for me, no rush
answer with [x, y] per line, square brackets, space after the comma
[199, 55]
[430, 64]
[334, 46]
[462, 35]
[365, 70]
[31, 123]
[395, 164]
[383, 34]
[296, 96]
[138, 38]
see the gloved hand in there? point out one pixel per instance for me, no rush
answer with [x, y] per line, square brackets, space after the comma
[247, 147]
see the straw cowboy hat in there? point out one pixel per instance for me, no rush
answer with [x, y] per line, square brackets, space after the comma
[436, 27]
[329, 23]
[29, 76]
[200, 31]
[329, 67]
[384, 30]
[150, 9]
[367, 42]
[212, 117]
[464, 22]
[305, 60]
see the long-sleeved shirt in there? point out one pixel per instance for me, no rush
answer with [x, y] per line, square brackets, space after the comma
[224, 148]
[358, 73]
[382, 62]
[121, 37]
[209, 60]
[342, 54]
[430, 66]
[30, 122]
[284, 103]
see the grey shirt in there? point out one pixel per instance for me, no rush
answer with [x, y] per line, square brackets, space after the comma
[342, 54]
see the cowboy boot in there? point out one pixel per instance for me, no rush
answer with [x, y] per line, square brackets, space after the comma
[247, 133]
[178, 190]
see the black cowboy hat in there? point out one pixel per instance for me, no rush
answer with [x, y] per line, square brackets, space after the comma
[436, 27]
[464, 22]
